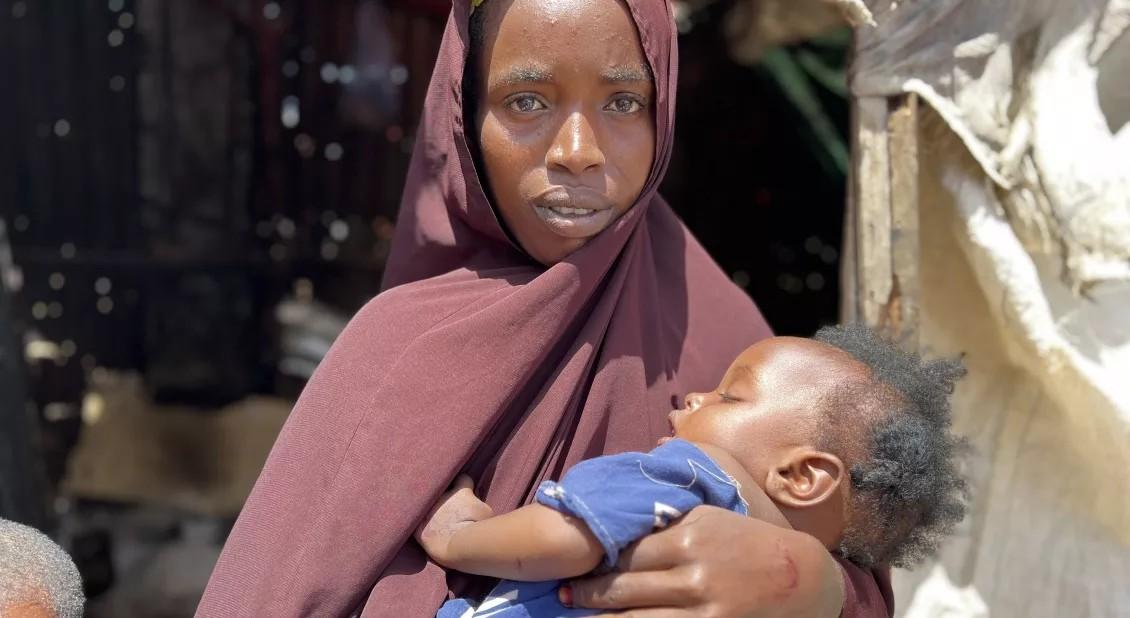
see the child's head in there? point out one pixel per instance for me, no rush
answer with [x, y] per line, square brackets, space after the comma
[847, 434]
[37, 578]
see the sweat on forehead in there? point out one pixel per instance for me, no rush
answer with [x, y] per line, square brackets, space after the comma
[573, 17]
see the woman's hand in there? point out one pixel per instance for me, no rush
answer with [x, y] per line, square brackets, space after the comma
[717, 563]
[457, 508]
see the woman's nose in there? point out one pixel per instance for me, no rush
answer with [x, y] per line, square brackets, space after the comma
[576, 148]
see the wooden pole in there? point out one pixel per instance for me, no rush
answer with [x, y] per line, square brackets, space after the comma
[880, 268]
[901, 311]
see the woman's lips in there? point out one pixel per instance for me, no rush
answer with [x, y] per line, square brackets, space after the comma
[574, 214]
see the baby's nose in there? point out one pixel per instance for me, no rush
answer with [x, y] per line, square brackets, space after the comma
[693, 401]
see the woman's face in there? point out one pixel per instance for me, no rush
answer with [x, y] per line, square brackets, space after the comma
[565, 117]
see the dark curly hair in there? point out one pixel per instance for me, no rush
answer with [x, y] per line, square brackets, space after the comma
[907, 491]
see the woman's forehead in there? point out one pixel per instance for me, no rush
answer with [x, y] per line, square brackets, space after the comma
[556, 10]
[540, 35]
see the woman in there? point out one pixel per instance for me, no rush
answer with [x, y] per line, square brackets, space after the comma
[544, 305]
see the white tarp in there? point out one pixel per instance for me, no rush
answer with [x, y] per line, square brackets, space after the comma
[1025, 207]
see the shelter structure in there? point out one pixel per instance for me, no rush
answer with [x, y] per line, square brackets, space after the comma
[989, 216]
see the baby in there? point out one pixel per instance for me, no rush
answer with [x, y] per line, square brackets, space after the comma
[843, 437]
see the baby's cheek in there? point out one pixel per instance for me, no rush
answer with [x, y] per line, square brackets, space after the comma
[719, 430]
[693, 429]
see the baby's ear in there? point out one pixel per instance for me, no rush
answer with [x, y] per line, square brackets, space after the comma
[804, 477]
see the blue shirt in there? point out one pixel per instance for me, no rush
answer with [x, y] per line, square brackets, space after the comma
[621, 498]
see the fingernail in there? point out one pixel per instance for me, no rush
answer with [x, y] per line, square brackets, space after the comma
[565, 595]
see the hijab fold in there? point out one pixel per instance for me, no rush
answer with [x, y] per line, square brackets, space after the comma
[476, 358]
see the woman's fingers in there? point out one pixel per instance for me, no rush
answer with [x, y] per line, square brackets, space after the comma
[672, 588]
[657, 551]
[654, 573]
[662, 550]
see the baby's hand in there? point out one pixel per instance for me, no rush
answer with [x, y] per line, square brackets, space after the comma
[455, 509]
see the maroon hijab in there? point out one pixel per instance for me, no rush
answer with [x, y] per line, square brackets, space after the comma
[476, 358]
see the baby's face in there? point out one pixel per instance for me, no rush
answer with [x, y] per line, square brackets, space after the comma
[767, 402]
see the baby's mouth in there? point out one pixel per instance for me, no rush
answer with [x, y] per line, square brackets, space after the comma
[671, 424]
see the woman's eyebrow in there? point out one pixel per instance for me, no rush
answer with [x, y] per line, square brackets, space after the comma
[625, 74]
[522, 75]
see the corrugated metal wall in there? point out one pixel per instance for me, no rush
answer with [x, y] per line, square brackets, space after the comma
[172, 167]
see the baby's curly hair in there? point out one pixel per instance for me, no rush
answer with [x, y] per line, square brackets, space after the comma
[908, 492]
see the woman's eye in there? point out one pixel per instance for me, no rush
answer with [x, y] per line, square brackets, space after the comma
[625, 105]
[526, 104]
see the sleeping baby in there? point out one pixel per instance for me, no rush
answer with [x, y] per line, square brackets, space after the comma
[843, 437]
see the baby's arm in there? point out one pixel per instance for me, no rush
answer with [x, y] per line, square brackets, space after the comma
[532, 543]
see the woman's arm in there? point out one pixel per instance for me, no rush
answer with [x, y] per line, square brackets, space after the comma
[532, 543]
[718, 563]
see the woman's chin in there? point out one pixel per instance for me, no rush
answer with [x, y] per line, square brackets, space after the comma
[549, 254]
[557, 237]
[550, 249]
